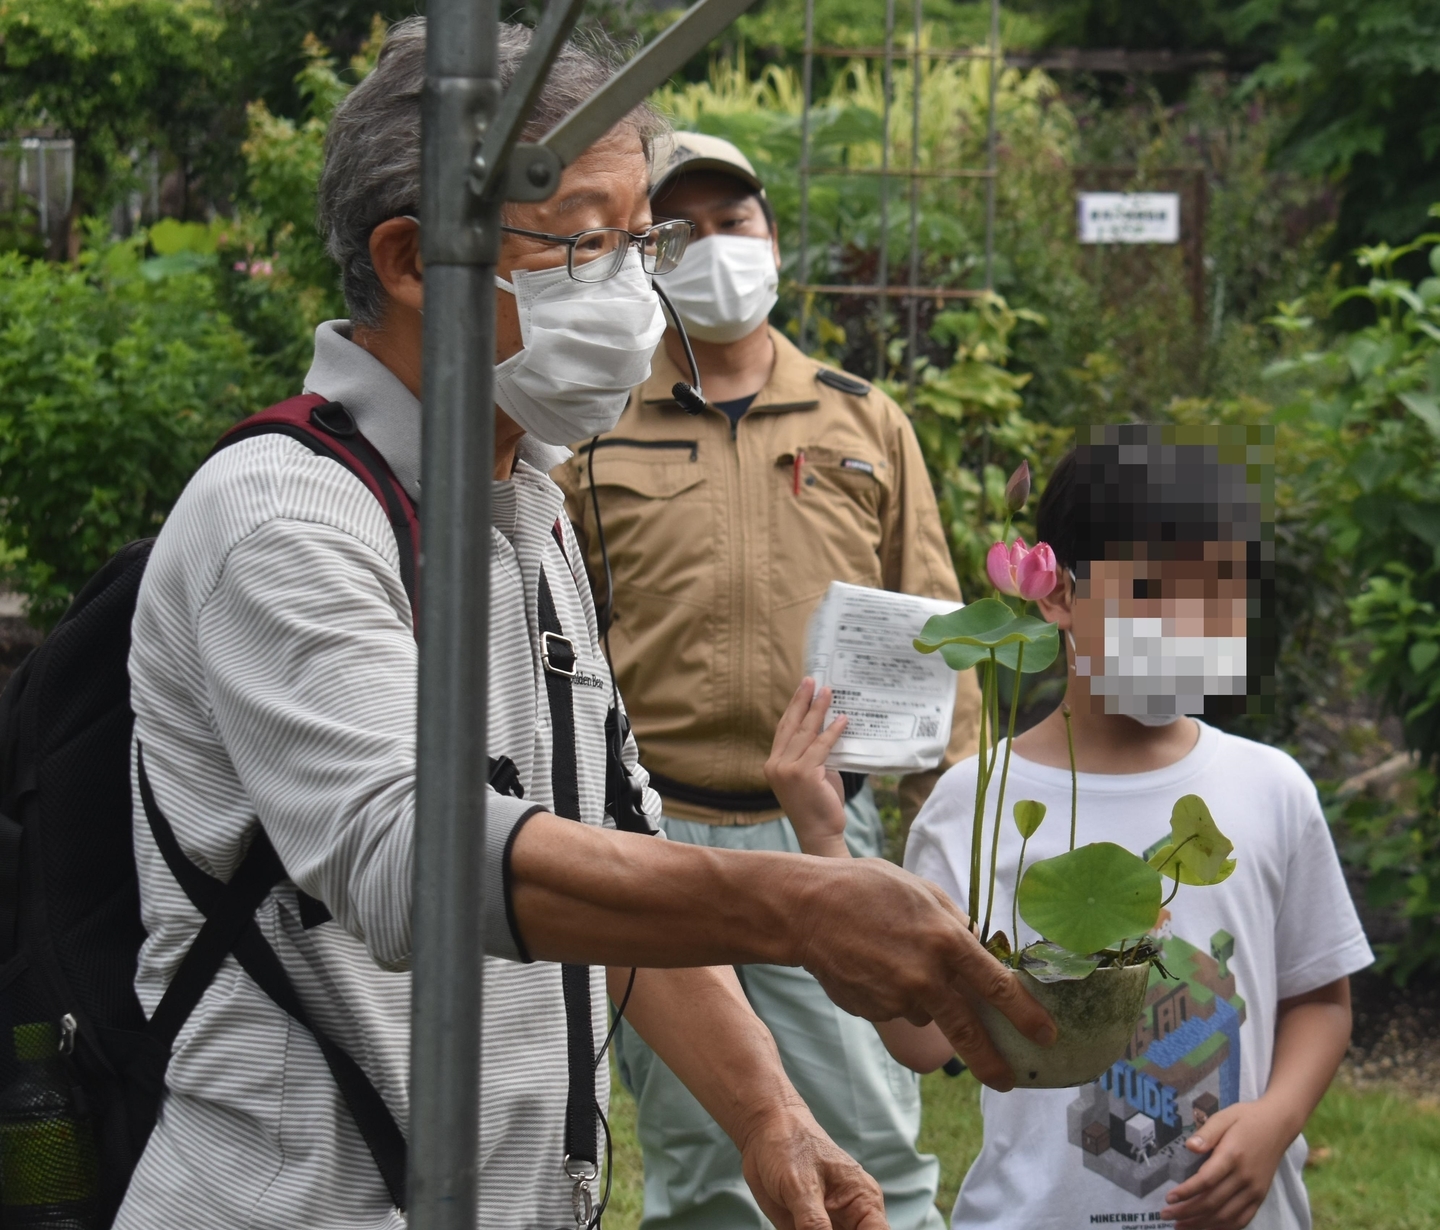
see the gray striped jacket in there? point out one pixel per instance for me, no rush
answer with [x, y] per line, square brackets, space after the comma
[273, 677]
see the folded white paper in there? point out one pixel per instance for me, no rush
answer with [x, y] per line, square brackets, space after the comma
[899, 701]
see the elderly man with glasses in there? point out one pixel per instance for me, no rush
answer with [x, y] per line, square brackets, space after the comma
[273, 676]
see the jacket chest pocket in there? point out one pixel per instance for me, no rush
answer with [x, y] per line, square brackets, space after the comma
[828, 516]
[655, 505]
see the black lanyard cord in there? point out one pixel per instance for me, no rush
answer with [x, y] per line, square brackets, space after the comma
[604, 1122]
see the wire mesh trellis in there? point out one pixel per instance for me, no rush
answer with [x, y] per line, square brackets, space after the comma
[881, 289]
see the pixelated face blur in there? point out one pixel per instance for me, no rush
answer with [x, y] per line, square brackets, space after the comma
[1158, 627]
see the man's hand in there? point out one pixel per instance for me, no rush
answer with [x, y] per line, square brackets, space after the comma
[812, 796]
[1245, 1142]
[700, 1023]
[803, 1180]
[887, 944]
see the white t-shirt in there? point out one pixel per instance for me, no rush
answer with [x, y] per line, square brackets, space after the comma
[1281, 925]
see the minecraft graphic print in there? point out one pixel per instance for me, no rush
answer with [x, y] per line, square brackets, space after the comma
[1180, 1068]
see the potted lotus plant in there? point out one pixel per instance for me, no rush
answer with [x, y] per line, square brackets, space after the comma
[1094, 906]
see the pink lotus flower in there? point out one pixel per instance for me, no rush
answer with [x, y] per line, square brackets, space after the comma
[1021, 571]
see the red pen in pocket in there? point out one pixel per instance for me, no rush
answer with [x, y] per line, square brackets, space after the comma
[799, 465]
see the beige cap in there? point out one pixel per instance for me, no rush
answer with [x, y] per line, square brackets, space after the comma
[694, 151]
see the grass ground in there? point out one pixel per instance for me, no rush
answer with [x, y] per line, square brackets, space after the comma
[1375, 1155]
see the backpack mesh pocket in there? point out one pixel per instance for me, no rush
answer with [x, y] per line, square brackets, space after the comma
[48, 1164]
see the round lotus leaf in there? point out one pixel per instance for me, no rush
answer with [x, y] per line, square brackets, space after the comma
[1089, 898]
[1042, 645]
[1028, 815]
[969, 621]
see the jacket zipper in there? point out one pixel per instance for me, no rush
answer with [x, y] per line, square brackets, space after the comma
[623, 441]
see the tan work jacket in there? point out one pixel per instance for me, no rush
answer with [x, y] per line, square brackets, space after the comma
[723, 542]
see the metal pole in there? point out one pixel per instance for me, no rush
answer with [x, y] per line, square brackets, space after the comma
[990, 146]
[807, 84]
[882, 279]
[460, 239]
[42, 180]
[464, 181]
[913, 323]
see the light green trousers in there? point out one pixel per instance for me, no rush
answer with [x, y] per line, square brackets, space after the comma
[868, 1103]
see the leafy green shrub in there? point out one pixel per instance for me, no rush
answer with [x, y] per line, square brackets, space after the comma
[276, 280]
[117, 76]
[116, 376]
[1395, 843]
[118, 372]
[1363, 417]
[969, 418]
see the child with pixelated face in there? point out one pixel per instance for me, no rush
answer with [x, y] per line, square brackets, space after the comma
[1165, 549]
[1168, 545]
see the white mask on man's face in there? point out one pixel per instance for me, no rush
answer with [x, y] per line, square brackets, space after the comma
[586, 345]
[1154, 676]
[724, 287]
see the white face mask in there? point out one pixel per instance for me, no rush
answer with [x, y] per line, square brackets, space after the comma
[587, 344]
[724, 287]
[1154, 676]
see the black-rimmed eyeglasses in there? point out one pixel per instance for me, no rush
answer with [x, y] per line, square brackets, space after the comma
[598, 255]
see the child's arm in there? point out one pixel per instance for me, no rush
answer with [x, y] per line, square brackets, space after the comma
[814, 800]
[1246, 1141]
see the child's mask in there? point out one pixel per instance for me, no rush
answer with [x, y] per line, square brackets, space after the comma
[1154, 676]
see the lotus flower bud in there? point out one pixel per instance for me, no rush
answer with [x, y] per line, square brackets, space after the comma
[1017, 490]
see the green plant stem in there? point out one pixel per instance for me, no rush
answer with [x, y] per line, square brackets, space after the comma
[1004, 773]
[994, 718]
[1166, 863]
[1074, 786]
[982, 781]
[1015, 900]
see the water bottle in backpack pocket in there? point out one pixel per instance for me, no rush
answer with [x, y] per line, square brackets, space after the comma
[48, 1162]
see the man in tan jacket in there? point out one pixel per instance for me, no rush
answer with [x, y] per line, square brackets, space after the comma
[722, 531]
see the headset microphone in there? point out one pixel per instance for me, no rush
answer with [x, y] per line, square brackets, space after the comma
[691, 399]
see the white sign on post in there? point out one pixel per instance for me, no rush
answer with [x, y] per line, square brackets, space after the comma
[1129, 217]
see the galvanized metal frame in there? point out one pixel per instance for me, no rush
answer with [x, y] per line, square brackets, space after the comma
[882, 290]
[472, 161]
[51, 212]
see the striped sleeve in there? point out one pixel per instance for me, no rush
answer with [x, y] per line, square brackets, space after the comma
[310, 670]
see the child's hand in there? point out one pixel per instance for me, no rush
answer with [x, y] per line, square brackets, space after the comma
[813, 798]
[1245, 1142]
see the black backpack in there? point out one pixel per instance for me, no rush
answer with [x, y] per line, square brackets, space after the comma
[81, 1069]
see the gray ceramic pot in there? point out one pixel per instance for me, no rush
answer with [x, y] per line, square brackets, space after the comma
[1096, 1018]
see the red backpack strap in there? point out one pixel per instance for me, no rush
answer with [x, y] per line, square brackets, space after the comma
[327, 429]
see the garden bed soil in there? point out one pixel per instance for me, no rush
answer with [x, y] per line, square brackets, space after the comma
[1396, 1042]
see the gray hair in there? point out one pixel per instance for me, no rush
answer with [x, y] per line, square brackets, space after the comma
[372, 148]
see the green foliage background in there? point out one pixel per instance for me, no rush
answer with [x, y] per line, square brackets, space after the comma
[116, 376]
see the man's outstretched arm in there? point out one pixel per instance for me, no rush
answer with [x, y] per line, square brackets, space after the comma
[699, 1022]
[882, 942]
